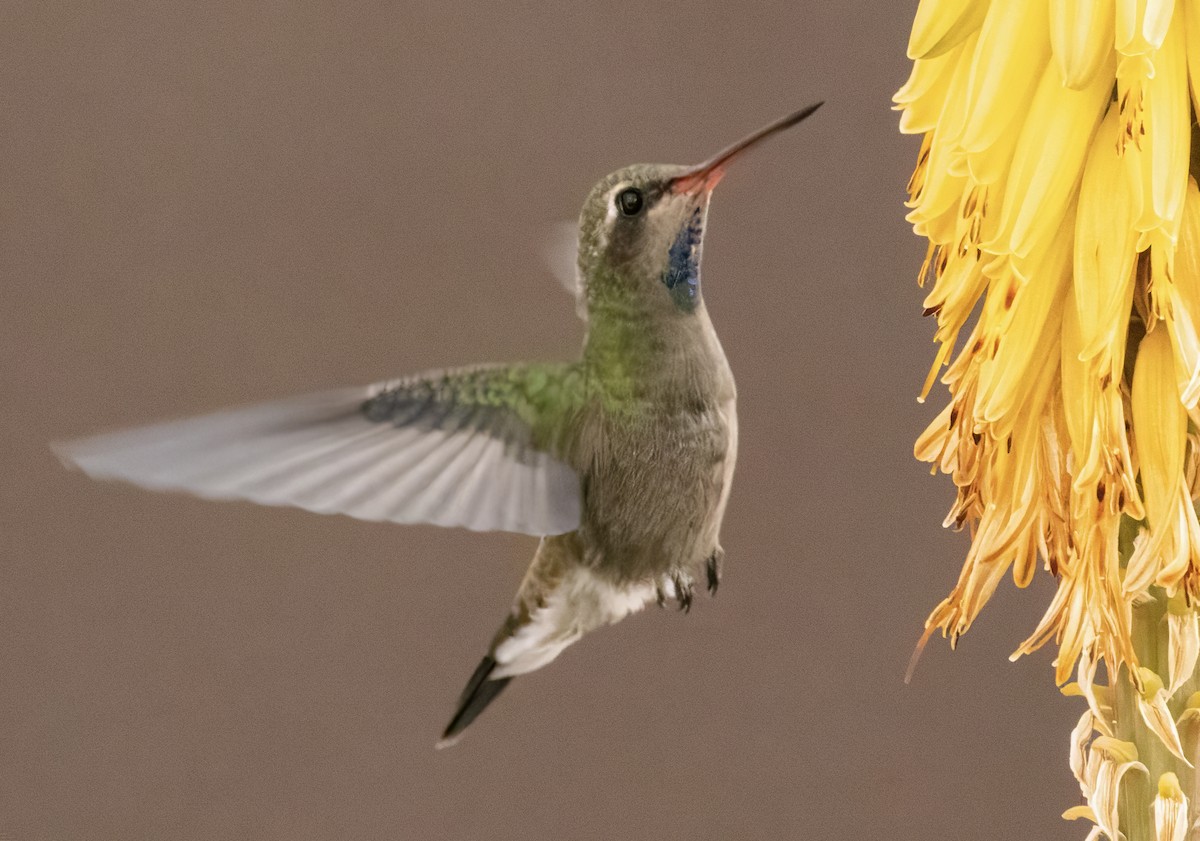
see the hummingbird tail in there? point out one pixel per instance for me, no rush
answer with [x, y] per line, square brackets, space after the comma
[560, 600]
[481, 690]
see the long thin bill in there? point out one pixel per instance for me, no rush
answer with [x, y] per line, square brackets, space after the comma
[706, 175]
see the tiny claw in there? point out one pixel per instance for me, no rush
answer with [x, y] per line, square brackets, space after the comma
[683, 592]
[660, 596]
[713, 568]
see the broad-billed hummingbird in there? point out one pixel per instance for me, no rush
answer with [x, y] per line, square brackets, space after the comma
[621, 461]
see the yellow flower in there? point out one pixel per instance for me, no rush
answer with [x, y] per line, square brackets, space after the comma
[1170, 809]
[1063, 270]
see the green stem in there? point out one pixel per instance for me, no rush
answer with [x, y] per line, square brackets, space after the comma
[1151, 640]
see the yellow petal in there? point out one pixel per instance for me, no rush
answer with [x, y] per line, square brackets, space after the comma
[1080, 736]
[940, 25]
[1093, 407]
[1152, 705]
[1184, 320]
[1104, 243]
[1179, 549]
[1081, 36]
[1186, 338]
[935, 206]
[1116, 750]
[1165, 151]
[1127, 22]
[1158, 17]
[1160, 427]
[1048, 162]
[1082, 812]
[924, 94]
[955, 292]
[1106, 792]
[1099, 698]
[1190, 15]
[1000, 85]
[1170, 810]
[1025, 320]
[1078, 403]
[990, 166]
[1141, 24]
[1183, 650]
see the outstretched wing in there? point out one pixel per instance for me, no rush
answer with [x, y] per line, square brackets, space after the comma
[472, 448]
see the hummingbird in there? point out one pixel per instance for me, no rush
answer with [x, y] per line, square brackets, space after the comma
[621, 461]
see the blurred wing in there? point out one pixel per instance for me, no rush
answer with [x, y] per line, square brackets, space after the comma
[452, 449]
[562, 258]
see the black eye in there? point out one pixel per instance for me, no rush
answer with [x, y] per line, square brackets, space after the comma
[630, 202]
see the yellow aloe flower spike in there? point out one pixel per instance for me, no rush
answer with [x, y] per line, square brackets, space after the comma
[1054, 186]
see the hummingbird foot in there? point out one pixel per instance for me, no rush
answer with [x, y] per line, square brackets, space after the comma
[713, 567]
[675, 585]
[683, 590]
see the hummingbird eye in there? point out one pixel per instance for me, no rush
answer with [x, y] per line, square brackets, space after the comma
[630, 201]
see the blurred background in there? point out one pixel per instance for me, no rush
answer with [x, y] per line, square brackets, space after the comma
[209, 204]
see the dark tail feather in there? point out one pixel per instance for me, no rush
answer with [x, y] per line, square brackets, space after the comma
[480, 692]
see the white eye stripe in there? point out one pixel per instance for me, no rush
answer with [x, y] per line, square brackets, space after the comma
[610, 202]
[610, 211]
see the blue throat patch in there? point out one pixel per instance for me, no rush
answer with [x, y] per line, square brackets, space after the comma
[683, 264]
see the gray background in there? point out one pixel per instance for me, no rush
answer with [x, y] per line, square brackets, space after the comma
[212, 203]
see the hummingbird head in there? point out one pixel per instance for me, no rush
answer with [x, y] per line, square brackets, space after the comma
[642, 230]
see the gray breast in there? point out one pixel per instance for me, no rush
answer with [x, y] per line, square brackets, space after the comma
[651, 494]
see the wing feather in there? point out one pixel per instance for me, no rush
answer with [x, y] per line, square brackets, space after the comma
[452, 449]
